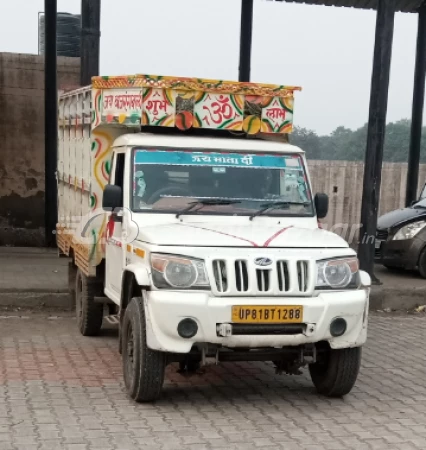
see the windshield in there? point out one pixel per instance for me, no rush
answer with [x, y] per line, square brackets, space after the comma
[168, 181]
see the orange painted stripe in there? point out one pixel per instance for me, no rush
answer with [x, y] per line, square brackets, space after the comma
[139, 252]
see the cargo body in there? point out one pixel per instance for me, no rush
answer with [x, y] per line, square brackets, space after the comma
[84, 163]
[185, 211]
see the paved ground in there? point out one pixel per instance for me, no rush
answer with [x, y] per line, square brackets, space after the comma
[59, 390]
[394, 280]
[399, 290]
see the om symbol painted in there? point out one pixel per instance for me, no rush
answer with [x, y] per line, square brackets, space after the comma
[220, 110]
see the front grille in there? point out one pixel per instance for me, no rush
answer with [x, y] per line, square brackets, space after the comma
[244, 277]
[382, 235]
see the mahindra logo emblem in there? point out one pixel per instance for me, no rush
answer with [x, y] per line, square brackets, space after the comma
[263, 262]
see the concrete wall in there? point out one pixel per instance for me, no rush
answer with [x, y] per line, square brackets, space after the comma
[22, 144]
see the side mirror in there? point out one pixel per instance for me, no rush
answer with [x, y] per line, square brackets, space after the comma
[321, 205]
[112, 198]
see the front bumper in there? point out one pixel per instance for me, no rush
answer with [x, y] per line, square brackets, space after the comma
[404, 253]
[165, 309]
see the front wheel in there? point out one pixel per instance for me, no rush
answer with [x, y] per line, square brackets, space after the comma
[335, 375]
[422, 263]
[143, 368]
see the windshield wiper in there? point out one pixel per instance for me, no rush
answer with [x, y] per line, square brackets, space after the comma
[275, 205]
[206, 202]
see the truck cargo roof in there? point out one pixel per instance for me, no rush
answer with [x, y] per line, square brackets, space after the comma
[202, 143]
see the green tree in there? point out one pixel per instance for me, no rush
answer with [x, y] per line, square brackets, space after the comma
[308, 140]
[349, 145]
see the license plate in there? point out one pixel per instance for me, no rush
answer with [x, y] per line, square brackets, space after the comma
[378, 244]
[267, 314]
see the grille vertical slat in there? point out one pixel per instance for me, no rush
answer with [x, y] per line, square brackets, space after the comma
[302, 275]
[263, 280]
[241, 275]
[219, 269]
[283, 276]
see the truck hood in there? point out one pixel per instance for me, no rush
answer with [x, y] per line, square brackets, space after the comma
[223, 235]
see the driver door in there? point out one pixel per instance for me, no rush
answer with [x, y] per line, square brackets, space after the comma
[115, 248]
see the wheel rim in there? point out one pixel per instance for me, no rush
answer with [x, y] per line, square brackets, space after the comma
[130, 351]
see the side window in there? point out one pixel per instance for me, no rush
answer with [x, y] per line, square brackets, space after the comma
[117, 172]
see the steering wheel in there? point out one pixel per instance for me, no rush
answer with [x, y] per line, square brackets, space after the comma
[176, 190]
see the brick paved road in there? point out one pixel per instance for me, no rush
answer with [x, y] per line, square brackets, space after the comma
[59, 390]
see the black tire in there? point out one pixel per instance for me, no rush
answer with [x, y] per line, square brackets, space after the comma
[336, 374]
[143, 368]
[89, 314]
[422, 263]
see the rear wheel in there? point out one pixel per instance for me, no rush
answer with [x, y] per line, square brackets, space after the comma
[89, 314]
[335, 374]
[143, 368]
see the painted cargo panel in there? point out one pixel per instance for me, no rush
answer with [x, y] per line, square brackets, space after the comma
[146, 100]
[84, 159]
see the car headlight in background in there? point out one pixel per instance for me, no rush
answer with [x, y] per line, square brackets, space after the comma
[178, 272]
[409, 231]
[338, 274]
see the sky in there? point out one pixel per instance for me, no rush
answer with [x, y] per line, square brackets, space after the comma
[327, 51]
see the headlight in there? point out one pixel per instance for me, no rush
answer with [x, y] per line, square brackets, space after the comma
[409, 231]
[338, 274]
[178, 272]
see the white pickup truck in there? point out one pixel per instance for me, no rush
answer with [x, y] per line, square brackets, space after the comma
[199, 231]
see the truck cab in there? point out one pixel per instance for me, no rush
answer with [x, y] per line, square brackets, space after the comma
[212, 252]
